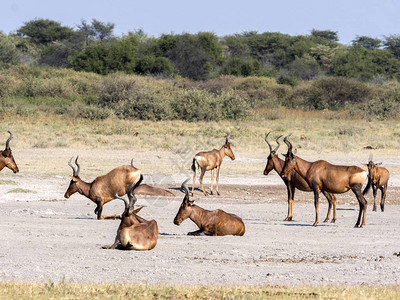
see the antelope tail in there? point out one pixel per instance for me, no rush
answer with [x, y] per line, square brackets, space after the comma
[368, 186]
[193, 165]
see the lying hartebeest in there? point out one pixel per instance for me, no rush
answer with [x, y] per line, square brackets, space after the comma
[134, 232]
[103, 188]
[378, 178]
[293, 181]
[211, 160]
[215, 222]
[145, 189]
[323, 176]
[7, 158]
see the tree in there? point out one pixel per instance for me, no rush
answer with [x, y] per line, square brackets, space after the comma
[96, 30]
[325, 34]
[392, 43]
[367, 42]
[9, 53]
[44, 31]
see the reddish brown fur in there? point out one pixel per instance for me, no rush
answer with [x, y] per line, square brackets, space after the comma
[7, 158]
[134, 232]
[294, 181]
[215, 222]
[210, 161]
[321, 175]
[378, 178]
[102, 189]
[145, 189]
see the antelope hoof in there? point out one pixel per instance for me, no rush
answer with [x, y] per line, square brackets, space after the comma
[218, 193]
[105, 247]
[382, 208]
[333, 220]
[374, 208]
[288, 219]
[326, 220]
[315, 224]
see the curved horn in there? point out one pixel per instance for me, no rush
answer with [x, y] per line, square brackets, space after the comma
[131, 195]
[288, 143]
[9, 139]
[266, 140]
[279, 144]
[371, 158]
[227, 138]
[185, 189]
[123, 199]
[79, 168]
[132, 162]
[73, 169]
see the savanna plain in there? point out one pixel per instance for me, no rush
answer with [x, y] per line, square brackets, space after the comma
[52, 247]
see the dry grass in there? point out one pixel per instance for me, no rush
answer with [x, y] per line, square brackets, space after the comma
[313, 132]
[106, 291]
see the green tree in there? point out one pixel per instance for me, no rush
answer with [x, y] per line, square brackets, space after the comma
[325, 34]
[392, 43]
[9, 53]
[44, 31]
[367, 42]
[97, 30]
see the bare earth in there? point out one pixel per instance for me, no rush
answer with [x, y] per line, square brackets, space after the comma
[45, 237]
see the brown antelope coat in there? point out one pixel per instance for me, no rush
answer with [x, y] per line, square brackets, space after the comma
[336, 179]
[294, 181]
[214, 223]
[378, 178]
[103, 188]
[134, 232]
[210, 161]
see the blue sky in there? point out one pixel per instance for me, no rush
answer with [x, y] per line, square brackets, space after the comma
[374, 18]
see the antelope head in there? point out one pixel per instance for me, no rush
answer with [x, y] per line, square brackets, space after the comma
[372, 167]
[73, 187]
[270, 163]
[7, 158]
[227, 148]
[186, 207]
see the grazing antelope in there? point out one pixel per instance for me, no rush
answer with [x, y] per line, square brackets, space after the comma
[103, 188]
[378, 178]
[293, 181]
[321, 175]
[134, 232]
[211, 160]
[6, 157]
[214, 222]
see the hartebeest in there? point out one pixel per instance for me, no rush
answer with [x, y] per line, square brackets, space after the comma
[102, 189]
[134, 232]
[293, 181]
[378, 178]
[214, 222]
[7, 158]
[323, 176]
[145, 189]
[211, 160]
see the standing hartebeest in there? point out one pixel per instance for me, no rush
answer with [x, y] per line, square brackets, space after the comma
[211, 160]
[293, 181]
[103, 188]
[134, 232]
[214, 222]
[378, 177]
[7, 158]
[321, 175]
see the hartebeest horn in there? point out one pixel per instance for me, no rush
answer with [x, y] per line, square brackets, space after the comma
[371, 158]
[185, 189]
[79, 167]
[73, 169]
[269, 145]
[266, 140]
[288, 143]
[227, 138]
[131, 195]
[9, 139]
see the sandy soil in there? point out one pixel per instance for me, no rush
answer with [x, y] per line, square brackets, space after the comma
[45, 237]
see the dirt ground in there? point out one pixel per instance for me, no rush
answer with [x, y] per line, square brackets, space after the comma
[48, 238]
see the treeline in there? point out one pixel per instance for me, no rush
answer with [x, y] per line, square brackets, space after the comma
[92, 47]
[35, 90]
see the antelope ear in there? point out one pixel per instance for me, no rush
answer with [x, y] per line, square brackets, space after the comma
[137, 210]
[378, 164]
[364, 164]
[75, 178]
[284, 154]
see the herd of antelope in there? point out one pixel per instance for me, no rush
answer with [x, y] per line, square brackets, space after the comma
[136, 233]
